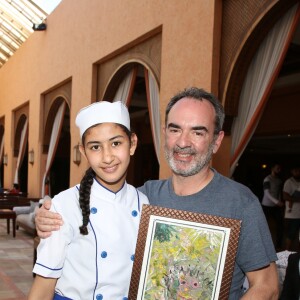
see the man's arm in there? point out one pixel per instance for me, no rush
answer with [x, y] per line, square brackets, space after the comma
[273, 199]
[47, 221]
[263, 284]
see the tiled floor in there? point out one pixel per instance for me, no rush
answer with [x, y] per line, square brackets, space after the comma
[16, 259]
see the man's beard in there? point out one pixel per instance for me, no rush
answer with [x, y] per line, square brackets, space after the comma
[191, 168]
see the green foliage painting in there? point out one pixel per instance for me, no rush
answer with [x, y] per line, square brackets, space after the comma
[183, 262]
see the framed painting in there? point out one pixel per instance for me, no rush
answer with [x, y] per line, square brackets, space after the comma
[183, 255]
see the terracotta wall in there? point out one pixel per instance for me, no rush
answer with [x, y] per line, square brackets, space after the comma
[81, 33]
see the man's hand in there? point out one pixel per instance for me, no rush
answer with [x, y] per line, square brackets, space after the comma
[47, 221]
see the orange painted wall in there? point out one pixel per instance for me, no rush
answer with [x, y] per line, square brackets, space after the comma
[80, 33]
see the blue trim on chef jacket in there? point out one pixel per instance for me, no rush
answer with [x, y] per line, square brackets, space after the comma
[48, 267]
[138, 196]
[96, 262]
[59, 297]
[109, 189]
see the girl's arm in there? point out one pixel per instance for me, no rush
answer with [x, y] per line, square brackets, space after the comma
[42, 288]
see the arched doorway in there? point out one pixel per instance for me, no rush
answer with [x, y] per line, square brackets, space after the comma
[56, 146]
[276, 138]
[1, 155]
[20, 153]
[144, 164]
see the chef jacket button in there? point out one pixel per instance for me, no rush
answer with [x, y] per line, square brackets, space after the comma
[132, 257]
[93, 210]
[103, 254]
[134, 213]
[99, 297]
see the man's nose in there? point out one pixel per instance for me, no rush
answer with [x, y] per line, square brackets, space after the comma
[183, 140]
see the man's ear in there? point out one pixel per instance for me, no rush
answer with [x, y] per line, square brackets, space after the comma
[218, 141]
[133, 143]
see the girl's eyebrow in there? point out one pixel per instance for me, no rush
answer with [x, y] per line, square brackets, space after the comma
[173, 125]
[116, 137]
[100, 142]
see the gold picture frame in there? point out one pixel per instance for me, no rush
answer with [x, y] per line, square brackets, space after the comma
[183, 255]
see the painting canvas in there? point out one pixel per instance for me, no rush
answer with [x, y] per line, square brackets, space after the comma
[182, 255]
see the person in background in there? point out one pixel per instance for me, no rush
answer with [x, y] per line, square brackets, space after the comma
[291, 283]
[272, 204]
[15, 189]
[91, 256]
[193, 133]
[291, 194]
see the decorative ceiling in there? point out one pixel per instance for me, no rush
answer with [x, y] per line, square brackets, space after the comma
[17, 19]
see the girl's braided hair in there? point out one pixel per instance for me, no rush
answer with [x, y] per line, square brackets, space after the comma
[85, 188]
[84, 198]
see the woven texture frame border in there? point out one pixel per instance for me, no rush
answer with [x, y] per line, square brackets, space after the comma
[148, 210]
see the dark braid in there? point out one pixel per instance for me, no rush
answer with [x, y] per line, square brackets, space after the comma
[84, 199]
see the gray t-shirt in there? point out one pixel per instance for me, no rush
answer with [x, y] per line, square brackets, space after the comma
[225, 198]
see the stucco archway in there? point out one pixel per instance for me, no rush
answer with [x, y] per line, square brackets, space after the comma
[21, 153]
[144, 164]
[58, 174]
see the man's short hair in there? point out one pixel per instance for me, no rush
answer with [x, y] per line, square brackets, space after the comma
[199, 94]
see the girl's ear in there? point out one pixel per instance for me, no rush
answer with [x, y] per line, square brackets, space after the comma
[133, 143]
[82, 151]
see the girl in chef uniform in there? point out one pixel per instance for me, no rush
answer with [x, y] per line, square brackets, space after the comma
[91, 256]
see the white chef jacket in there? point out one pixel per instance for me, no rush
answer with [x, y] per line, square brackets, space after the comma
[98, 265]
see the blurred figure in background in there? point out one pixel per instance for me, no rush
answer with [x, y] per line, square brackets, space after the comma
[291, 194]
[272, 204]
[15, 189]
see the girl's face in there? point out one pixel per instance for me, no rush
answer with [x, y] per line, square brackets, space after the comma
[107, 148]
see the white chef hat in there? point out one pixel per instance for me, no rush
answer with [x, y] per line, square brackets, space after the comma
[102, 112]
